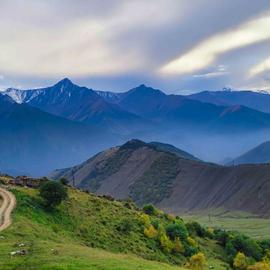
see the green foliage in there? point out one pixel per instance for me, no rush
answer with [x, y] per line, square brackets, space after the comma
[165, 243]
[125, 226]
[149, 209]
[248, 246]
[197, 262]
[195, 229]
[53, 193]
[150, 232]
[156, 183]
[177, 230]
[63, 181]
[240, 261]
[265, 244]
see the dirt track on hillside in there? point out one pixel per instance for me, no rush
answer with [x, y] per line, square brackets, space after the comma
[8, 204]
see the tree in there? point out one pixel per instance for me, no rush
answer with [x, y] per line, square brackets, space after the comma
[240, 261]
[178, 246]
[197, 262]
[63, 181]
[150, 232]
[177, 230]
[259, 266]
[165, 243]
[53, 193]
[149, 209]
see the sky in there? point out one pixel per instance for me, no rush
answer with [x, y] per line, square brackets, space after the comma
[179, 46]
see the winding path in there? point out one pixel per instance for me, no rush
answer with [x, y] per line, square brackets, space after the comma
[7, 205]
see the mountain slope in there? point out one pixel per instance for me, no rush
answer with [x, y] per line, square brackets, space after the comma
[259, 154]
[81, 104]
[35, 142]
[172, 149]
[255, 100]
[147, 175]
[90, 232]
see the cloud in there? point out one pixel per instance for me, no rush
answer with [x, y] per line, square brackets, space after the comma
[260, 68]
[116, 44]
[80, 46]
[205, 53]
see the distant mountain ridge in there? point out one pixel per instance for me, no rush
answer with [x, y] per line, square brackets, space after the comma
[147, 175]
[81, 104]
[257, 155]
[34, 141]
[212, 132]
[255, 100]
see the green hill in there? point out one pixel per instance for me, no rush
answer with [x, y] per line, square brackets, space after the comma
[90, 232]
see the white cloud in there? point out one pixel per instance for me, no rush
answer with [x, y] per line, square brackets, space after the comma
[80, 46]
[206, 52]
[260, 68]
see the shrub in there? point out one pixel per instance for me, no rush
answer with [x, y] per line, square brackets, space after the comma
[192, 242]
[63, 181]
[240, 261]
[165, 243]
[155, 223]
[230, 250]
[146, 221]
[265, 245]
[194, 228]
[178, 246]
[149, 209]
[221, 236]
[197, 262]
[125, 226]
[53, 193]
[150, 232]
[248, 246]
[259, 266]
[177, 230]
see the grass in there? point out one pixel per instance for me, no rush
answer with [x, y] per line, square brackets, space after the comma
[87, 232]
[255, 227]
[84, 233]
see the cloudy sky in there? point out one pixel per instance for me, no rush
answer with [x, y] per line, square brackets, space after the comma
[179, 46]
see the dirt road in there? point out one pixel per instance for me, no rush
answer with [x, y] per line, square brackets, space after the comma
[7, 205]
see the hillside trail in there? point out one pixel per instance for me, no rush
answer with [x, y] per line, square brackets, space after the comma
[7, 204]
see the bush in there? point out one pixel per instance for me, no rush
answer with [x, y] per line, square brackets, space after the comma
[230, 250]
[150, 232]
[145, 219]
[177, 230]
[192, 242]
[178, 246]
[149, 209]
[240, 261]
[197, 262]
[63, 181]
[194, 228]
[125, 226]
[221, 236]
[248, 246]
[259, 266]
[265, 245]
[53, 193]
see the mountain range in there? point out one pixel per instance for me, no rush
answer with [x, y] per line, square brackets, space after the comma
[255, 100]
[178, 185]
[209, 130]
[34, 142]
